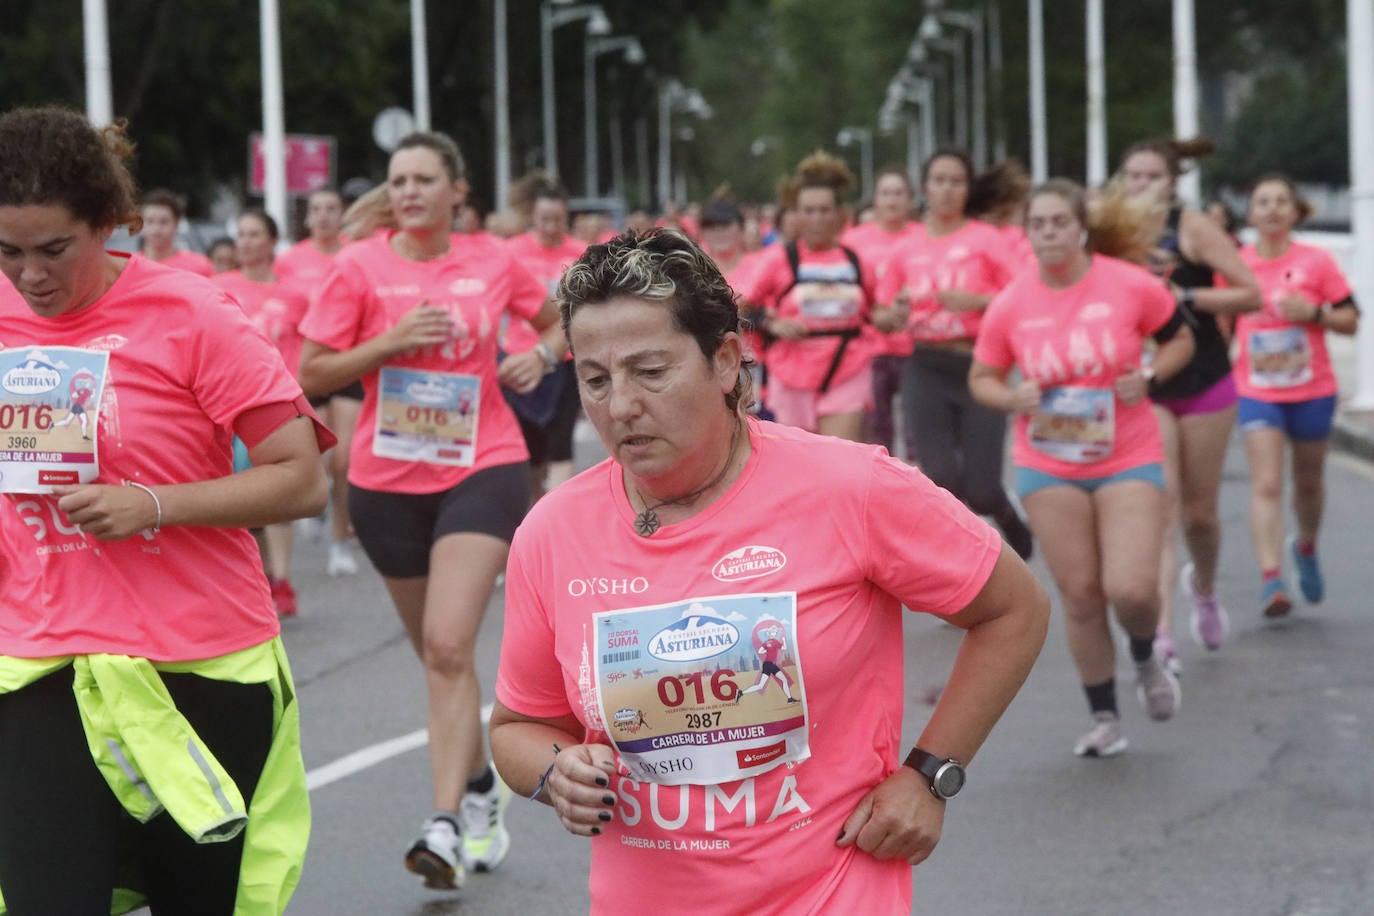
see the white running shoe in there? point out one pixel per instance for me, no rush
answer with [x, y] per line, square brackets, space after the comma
[341, 560]
[437, 857]
[1104, 739]
[485, 838]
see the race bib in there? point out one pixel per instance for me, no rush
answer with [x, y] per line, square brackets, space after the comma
[49, 423]
[829, 304]
[703, 691]
[427, 416]
[1075, 424]
[1279, 358]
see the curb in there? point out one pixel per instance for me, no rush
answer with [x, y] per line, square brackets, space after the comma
[1353, 433]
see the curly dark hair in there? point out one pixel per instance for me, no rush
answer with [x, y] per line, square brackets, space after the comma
[663, 266]
[54, 156]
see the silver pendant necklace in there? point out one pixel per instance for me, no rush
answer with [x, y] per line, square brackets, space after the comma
[647, 521]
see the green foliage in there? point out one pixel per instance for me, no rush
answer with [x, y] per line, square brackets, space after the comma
[789, 73]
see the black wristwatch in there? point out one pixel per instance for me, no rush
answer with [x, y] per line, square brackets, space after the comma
[946, 776]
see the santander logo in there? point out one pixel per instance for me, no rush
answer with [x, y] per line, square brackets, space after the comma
[749, 563]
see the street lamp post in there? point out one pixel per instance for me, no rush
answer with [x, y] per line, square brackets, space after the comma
[419, 63]
[595, 47]
[994, 13]
[918, 90]
[550, 19]
[864, 137]
[973, 24]
[1185, 93]
[1097, 97]
[502, 118]
[1039, 143]
[273, 116]
[673, 96]
[96, 37]
[955, 49]
[1359, 18]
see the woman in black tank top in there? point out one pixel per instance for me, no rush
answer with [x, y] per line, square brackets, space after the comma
[1197, 407]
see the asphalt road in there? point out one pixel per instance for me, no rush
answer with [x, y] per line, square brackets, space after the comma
[1258, 798]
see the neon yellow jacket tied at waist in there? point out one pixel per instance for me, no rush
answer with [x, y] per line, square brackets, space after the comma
[154, 761]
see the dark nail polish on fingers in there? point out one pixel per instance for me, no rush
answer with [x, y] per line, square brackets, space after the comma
[608, 799]
[596, 831]
[605, 815]
[602, 781]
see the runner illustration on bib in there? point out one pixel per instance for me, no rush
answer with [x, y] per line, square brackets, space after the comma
[427, 416]
[1074, 424]
[82, 392]
[770, 642]
[49, 406]
[669, 682]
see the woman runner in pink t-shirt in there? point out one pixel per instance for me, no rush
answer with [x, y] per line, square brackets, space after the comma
[1197, 407]
[145, 568]
[1088, 453]
[276, 309]
[439, 476]
[305, 265]
[722, 237]
[815, 296]
[648, 596]
[1287, 387]
[935, 287]
[162, 213]
[893, 198]
[548, 414]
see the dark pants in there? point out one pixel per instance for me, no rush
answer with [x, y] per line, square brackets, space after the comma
[65, 841]
[959, 441]
[887, 382]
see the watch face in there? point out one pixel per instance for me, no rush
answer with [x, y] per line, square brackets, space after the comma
[949, 780]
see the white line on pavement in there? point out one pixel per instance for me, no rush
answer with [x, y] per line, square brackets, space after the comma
[372, 755]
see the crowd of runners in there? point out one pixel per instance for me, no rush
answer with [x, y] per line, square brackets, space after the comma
[1125, 336]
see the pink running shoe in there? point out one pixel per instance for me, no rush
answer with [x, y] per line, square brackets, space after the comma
[1210, 623]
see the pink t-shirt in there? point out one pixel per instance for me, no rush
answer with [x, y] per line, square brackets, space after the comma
[974, 259]
[184, 364]
[276, 309]
[738, 278]
[1018, 243]
[875, 245]
[181, 259]
[766, 843]
[547, 265]
[1279, 361]
[1075, 342]
[367, 291]
[824, 296]
[303, 265]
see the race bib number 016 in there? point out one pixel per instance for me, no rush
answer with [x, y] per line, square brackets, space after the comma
[49, 423]
[703, 691]
[427, 416]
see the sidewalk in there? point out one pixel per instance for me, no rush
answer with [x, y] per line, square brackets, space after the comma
[1354, 431]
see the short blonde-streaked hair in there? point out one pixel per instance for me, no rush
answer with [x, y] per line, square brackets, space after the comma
[661, 266]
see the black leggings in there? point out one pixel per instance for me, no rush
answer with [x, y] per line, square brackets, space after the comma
[65, 841]
[959, 442]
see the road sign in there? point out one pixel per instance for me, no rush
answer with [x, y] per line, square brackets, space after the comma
[309, 163]
[390, 126]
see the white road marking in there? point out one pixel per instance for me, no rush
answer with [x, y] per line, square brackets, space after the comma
[373, 754]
